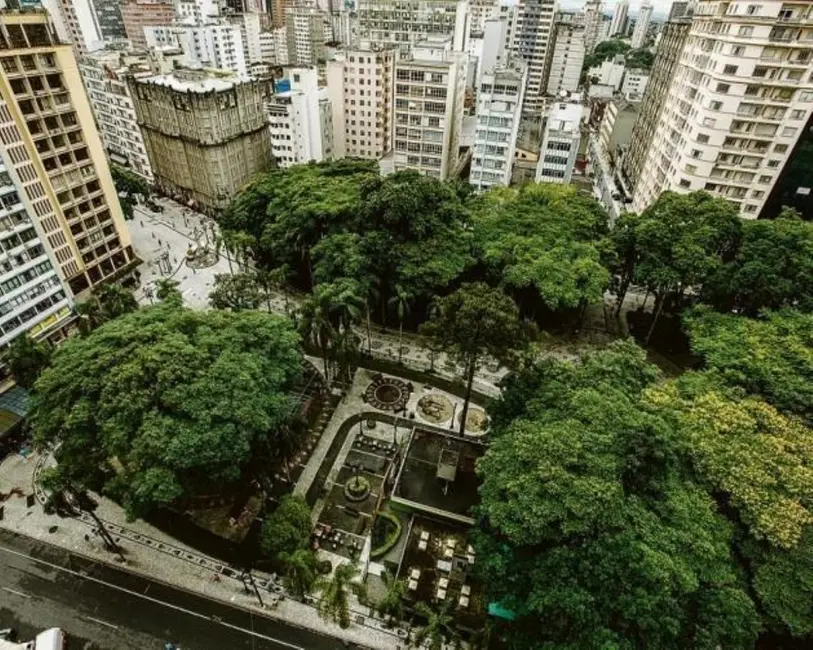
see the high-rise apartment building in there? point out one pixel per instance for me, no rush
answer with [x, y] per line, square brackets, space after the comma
[678, 10]
[360, 86]
[673, 39]
[567, 56]
[92, 23]
[404, 22]
[305, 29]
[138, 14]
[479, 12]
[531, 40]
[300, 120]
[740, 96]
[274, 46]
[104, 73]
[250, 27]
[619, 22]
[499, 110]
[593, 15]
[560, 143]
[206, 135]
[430, 86]
[641, 31]
[211, 45]
[51, 141]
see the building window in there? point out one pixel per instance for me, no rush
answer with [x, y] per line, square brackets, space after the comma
[789, 131]
[684, 183]
[780, 148]
[750, 208]
[745, 31]
[723, 88]
[730, 69]
[702, 138]
[773, 164]
[765, 179]
[716, 106]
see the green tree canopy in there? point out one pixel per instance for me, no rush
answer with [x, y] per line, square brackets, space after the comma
[166, 402]
[592, 529]
[641, 59]
[236, 291]
[129, 187]
[288, 528]
[604, 51]
[473, 323]
[27, 359]
[543, 237]
[770, 356]
[773, 268]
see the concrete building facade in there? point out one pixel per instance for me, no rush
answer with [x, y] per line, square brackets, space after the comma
[92, 23]
[404, 22]
[560, 143]
[593, 15]
[306, 36]
[429, 93]
[499, 110]
[138, 14]
[675, 33]
[104, 73]
[300, 120]
[641, 31]
[479, 12]
[619, 22]
[530, 42]
[211, 45]
[360, 87]
[206, 135]
[609, 73]
[634, 83]
[737, 103]
[52, 142]
[567, 56]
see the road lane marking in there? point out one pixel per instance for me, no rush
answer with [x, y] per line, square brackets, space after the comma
[153, 600]
[14, 591]
[100, 622]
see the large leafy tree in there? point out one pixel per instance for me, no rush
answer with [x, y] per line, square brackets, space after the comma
[288, 528]
[773, 268]
[473, 323]
[771, 356]
[165, 402]
[27, 359]
[544, 239]
[130, 187]
[680, 242]
[591, 528]
[236, 291]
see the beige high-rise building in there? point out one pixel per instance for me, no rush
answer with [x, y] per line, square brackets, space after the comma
[206, 134]
[737, 102]
[531, 41]
[430, 87]
[405, 22]
[51, 141]
[567, 54]
[360, 87]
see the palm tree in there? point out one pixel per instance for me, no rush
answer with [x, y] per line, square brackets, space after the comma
[401, 301]
[316, 327]
[300, 571]
[335, 593]
[346, 303]
[439, 628]
[392, 604]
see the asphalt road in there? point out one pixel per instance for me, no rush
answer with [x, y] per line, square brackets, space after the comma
[102, 608]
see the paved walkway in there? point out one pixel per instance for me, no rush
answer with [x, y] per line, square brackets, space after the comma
[152, 553]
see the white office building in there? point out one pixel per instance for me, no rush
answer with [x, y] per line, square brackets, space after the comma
[405, 22]
[250, 28]
[560, 144]
[530, 41]
[274, 46]
[567, 57]
[609, 73]
[499, 110]
[641, 30]
[104, 74]
[430, 88]
[360, 87]
[619, 22]
[211, 45]
[634, 83]
[305, 29]
[479, 12]
[300, 120]
[738, 100]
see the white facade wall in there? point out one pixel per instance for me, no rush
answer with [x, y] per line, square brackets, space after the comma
[299, 132]
[634, 82]
[560, 144]
[740, 97]
[641, 26]
[211, 46]
[499, 111]
[609, 73]
[619, 22]
[567, 58]
[405, 22]
[479, 12]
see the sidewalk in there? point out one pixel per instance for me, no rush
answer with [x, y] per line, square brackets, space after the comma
[157, 556]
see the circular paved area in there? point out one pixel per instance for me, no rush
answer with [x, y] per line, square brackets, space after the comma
[388, 393]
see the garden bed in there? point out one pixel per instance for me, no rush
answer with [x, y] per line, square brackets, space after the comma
[386, 532]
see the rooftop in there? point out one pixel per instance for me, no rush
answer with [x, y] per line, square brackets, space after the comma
[200, 82]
